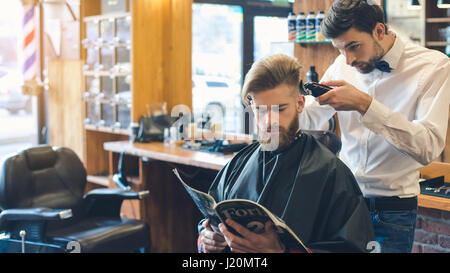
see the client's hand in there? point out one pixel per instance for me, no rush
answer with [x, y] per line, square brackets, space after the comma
[212, 241]
[266, 242]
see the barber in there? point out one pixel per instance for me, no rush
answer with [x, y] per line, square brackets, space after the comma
[392, 101]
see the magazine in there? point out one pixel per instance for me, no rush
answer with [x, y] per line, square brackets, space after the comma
[248, 213]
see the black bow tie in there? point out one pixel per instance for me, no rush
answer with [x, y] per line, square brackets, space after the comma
[383, 66]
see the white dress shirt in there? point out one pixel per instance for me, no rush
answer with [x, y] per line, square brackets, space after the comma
[404, 127]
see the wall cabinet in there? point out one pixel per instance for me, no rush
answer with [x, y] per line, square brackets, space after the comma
[108, 73]
[437, 27]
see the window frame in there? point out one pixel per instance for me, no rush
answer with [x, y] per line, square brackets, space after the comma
[251, 9]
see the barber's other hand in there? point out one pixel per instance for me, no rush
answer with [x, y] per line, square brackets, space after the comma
[250, 242]
[345, 97]
[212, 241]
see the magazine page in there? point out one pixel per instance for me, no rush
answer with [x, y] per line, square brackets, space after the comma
[254, 216]
[204, 202]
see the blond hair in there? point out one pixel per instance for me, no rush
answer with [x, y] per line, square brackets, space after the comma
[270, 72]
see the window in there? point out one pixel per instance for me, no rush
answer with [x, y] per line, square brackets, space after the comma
[17, 111]
[217, 62]
[227, 36]
[270, 31]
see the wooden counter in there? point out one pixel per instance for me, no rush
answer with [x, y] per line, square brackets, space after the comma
[434, 202]
[435, 169]
[169, 210]
[173, 154]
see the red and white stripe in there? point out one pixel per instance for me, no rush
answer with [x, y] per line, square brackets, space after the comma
[30, 52]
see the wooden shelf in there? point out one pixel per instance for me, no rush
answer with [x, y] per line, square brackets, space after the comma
[108, 16]
[104, 73]
[438, 20]
[111, 102]
[437, 43]
[101, 180]
[107, 45]
[434, 202]
[105, 129]
[303, 42]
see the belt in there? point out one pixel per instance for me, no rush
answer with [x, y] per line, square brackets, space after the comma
[391, 203]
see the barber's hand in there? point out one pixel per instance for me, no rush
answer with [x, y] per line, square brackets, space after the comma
[267, 242]
[212, 241]
[345, 97]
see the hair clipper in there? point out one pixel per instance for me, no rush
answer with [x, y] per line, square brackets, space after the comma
[314, 89]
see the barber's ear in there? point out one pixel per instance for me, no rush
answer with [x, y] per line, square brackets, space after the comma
[380, 31]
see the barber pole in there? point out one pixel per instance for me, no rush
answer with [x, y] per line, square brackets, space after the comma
[30, 53]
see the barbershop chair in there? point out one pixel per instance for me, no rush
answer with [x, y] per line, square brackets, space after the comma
[43, 209]
[327, 138]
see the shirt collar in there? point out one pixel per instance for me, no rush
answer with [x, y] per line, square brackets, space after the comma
[394, 54]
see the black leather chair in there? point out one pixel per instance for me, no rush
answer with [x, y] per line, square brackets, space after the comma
[327, 138]
[42, 198]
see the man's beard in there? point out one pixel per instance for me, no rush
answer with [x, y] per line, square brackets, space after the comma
[369, 66]
[281, 140]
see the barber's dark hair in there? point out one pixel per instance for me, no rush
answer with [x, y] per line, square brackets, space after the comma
[345, 14]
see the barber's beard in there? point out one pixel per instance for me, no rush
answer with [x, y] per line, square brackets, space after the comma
[280, 141]
[369, 66]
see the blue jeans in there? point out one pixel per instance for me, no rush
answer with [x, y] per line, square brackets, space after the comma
[394, 230]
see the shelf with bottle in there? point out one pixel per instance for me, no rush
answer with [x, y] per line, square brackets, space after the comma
[108, 102]
[438, 35]
[107, 60]
[306, 29]
[107, 114]
[108, 73]
[112, 118]
[117, 42]
[108, 30]
[104, 129]
[303, 42]
[122, 98]
[313, 42]
[100, 98]
[118, 70]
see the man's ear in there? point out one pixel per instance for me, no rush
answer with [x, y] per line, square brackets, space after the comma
[379, 31]
[300, 103]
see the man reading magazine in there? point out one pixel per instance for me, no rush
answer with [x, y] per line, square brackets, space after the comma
[288, 172]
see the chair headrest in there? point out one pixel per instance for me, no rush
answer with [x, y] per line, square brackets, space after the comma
[41, 157]
[327, 138]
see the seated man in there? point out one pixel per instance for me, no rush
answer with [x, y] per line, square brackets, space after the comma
[289, 173]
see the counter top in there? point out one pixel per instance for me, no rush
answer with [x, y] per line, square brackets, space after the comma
[434, 202]
[172, 153]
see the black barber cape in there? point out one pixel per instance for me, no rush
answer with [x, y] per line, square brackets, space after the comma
[308, 187]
